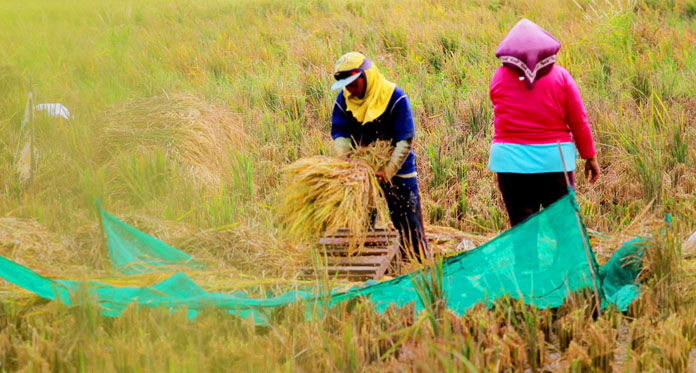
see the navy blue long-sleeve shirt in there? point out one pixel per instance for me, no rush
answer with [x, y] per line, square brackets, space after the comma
[395, 124]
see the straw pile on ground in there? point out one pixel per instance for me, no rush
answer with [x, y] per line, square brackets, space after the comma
[28, 242]
[323, 194]
[238, 248]
[200, 136]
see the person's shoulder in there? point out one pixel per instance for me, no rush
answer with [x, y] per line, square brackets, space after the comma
[502, 70]
[561, 76]
[558, 69]
[560, 72]
[397, 99]
[397, 94]
[341, 99]
[340, 106]
[503, 73]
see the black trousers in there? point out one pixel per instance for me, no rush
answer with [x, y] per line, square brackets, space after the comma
[524, 194]
[404, 204]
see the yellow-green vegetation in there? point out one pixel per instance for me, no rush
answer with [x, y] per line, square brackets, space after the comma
[185, 113]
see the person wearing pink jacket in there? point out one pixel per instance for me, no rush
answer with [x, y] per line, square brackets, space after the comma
[536, 105]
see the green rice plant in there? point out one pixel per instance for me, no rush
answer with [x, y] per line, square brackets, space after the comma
[396, 40]
[649, 169]
[242, 175]
[316, 95]
[640, 87]
[291, 132]
[144, 177]
[679, 147]
[93, 183]
[480, 116]
[665, 348]
[662, 271]
[660, 5]
[439, 162]
[690, 8]
[497, 219]
[435, 61]
[463, 203]
[453, 352]
[355, 7]
[349, 352]
[437, 213]
[429, 286]
[293, 107]
[15, 88]
[222, 207]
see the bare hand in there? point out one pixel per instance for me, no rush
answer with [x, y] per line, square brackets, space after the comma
[380, 176]
[591, 167]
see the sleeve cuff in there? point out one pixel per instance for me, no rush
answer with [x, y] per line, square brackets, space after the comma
[342, 145]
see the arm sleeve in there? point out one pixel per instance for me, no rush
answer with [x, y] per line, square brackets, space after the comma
[342, 145]
[492, 85]
[577, 120]
[339, 119]
[403, 119]
[401, 151]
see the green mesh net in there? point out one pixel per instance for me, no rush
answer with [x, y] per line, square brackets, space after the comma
[540, 261]
[132, 251]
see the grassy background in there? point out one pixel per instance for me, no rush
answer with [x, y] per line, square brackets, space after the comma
[262, 70]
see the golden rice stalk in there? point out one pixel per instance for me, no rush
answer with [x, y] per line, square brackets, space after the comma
[197, 134]
[376, 155]
[323, 194]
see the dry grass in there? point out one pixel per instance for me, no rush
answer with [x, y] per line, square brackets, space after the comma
[450, 241]
[198, 135]
[235, 249]
[324, 194]
[28, 242]
[237, 256]
[242, 249]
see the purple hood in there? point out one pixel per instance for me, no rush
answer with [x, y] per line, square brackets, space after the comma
[528, 49]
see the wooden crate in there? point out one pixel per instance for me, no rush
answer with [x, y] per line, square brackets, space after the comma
[378, 256]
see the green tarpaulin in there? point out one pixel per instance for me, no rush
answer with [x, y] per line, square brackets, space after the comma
[540, 261]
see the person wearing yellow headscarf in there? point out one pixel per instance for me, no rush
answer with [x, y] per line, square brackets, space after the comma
[370, 108]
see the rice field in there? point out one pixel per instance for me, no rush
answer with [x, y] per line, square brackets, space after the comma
[185, 113]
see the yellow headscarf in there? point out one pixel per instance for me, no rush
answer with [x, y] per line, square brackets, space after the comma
[378, 90]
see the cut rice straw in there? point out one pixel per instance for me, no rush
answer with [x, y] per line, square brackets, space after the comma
[324, 194]
[190, 130]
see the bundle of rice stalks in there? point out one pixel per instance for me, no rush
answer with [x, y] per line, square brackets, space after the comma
[376, 155]
[323, 194]
[200, 136]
